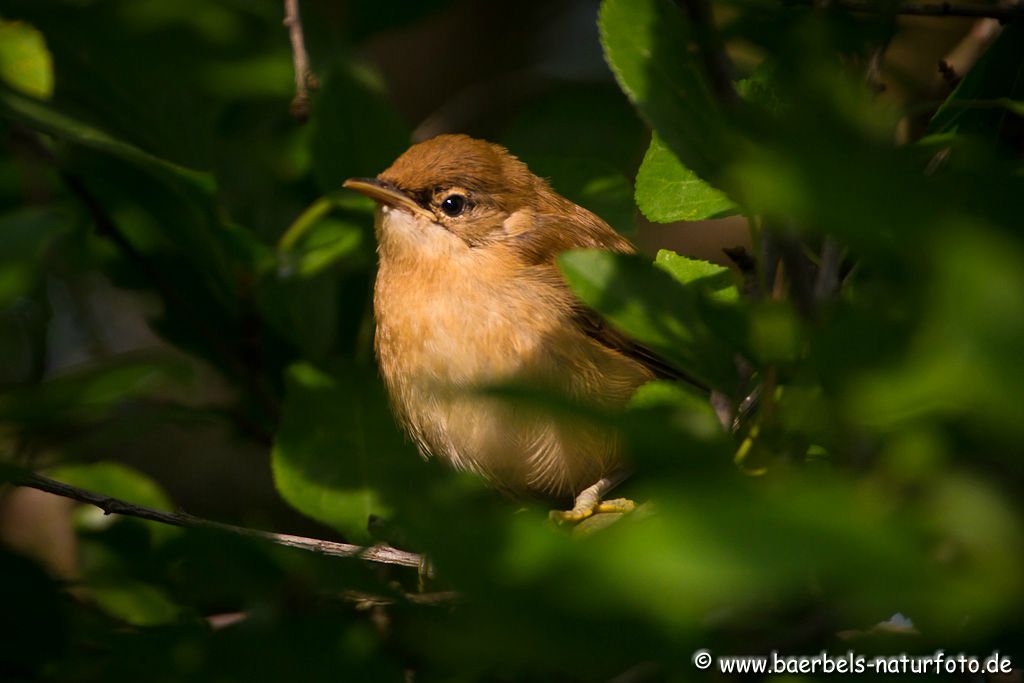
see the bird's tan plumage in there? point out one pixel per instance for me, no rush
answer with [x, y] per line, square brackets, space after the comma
[463, 302]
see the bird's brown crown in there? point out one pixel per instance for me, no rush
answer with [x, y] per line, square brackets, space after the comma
[480, 167]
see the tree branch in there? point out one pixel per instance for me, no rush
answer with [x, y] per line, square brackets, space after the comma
[304, 77]
[382, 554]
[1002, 12]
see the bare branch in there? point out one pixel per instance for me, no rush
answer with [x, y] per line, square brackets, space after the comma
[304, 77]
[113, 506]
[1002, 12]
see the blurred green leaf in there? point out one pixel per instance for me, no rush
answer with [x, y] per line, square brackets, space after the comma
[25, 63]
[667, 191]
[88, 394]
[650, 306]
[323, 458]
[690, 408]
[964, 360]
[775, 334]
[136, 603]
[327, 243]
[262, 76]
[44, 119]
[116, 480]
[315, 241]
[24, 237]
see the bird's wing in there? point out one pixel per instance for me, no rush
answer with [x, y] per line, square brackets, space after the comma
[586, 231]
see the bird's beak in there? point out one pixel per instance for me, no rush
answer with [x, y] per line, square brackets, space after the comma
[386, 194]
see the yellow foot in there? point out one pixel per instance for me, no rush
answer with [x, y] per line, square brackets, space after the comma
[589, 503]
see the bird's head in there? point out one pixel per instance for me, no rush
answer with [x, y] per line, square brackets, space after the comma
[457, 191]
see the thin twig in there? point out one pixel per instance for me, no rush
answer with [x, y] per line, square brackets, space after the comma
[1004, 12]
[380, 553]
[304, 77]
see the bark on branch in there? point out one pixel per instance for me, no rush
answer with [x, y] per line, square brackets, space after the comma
[304, 77]
[382, 554]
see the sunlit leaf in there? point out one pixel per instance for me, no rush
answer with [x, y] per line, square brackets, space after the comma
[646, 42]
[118, 481]
[322, 461]
[710, 277]
[667, 191]
[25, 63]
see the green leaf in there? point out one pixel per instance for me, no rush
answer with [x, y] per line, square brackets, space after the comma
[775, 334]
[44, 119]
[315, 241]
[648, 304]
[134, 602]
[329, 242]
[25, 63]
[89, 394]
[328, 451]
[667, 191]
[716, 280]
[647, 45]
[689, 408]
[965, 358]
[117, 481]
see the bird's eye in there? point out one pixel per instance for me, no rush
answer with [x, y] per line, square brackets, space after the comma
[453, 205]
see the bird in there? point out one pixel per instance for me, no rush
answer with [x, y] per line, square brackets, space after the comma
[468, 294]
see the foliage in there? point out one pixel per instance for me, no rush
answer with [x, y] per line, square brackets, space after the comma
[868, 352]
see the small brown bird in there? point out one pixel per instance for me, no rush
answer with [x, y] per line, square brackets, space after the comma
[468, 294]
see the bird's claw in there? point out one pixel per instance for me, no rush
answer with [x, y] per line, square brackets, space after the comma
[589, 503]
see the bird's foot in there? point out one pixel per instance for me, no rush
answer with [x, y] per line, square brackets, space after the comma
[589, 502]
